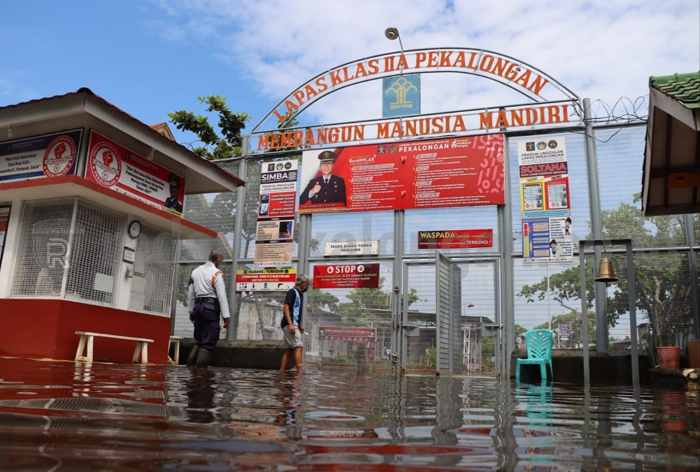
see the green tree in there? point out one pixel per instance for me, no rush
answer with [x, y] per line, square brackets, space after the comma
[661, 280]
[230, 125]
[662, 284]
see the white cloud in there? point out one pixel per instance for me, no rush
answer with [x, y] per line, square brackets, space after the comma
[597, 48]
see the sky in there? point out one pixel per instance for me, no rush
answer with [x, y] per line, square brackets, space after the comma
[151, 57]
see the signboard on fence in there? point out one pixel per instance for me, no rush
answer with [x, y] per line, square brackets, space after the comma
[351, 248]
[455, 238]
[276, 208]
[346, 276]
[358, 335]
[265, 280]
[404, 175]
[545, 200]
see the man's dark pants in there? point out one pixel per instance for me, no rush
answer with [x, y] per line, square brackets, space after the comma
[206, 333]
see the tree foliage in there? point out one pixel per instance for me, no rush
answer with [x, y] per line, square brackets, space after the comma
[662, 284]
[230, 126]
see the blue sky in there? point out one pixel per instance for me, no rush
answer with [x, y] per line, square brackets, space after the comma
[150, 57]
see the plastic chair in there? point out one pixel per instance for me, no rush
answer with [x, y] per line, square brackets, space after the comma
[539, 351]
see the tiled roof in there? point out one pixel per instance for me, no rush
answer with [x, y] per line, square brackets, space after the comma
[684, 88]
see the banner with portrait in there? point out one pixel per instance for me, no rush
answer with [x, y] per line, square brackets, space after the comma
[404, 175]
[115, 167]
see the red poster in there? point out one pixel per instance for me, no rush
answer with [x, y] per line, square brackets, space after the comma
[282, 204]
[406, 175]
[346, 276]
[119, 169]
[453, 239]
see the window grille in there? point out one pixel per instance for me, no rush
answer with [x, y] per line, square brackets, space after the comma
[151, 287]
[95, 255]
[41, 256]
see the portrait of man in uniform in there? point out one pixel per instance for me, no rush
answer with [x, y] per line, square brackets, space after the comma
[327, 187]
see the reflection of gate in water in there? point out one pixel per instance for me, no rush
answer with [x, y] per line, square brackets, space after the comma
[451, 313]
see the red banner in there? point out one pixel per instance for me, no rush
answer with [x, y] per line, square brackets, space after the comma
[407, 175]
[116, 167]
[337, 333]
[452, 239]
[346, 276]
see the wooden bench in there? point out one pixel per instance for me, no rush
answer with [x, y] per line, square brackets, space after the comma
[89, 339]
[176, 354]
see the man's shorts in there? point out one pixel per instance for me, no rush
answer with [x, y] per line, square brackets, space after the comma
[292, 341]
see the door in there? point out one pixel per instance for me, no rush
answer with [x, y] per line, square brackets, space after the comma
[450, 317]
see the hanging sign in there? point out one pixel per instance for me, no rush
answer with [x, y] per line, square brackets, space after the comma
[401, 95]
[346, 276]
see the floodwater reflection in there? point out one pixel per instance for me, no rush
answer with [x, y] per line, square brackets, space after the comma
[66, 416]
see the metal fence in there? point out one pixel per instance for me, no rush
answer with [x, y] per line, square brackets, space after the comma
[498, 287]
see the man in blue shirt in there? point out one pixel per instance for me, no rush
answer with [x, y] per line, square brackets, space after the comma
[291, 322]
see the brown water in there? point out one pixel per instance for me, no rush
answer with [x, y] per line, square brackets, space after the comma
[66, 416]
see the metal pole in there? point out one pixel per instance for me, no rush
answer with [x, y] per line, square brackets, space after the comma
[505, 223]
[399, 311]
[500, 370]
[693, 267]
[596, 227]
[584, 314]
[232, 330]
[304, 249]
[633, 313]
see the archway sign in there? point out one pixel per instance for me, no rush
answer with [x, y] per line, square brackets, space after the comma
[549, 105]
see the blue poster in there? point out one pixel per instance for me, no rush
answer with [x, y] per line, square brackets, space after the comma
[51, 155]
[401, 96]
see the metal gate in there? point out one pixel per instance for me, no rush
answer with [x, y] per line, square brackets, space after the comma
[450, 317]
[448, 298]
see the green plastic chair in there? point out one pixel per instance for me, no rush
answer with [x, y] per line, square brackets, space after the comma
[539, 351]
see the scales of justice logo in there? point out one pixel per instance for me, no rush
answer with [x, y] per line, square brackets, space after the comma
[105, 164]
[59, 157]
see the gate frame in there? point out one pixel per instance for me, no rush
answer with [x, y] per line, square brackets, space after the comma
[400, 325]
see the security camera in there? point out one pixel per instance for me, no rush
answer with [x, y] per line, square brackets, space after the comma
[391, 33]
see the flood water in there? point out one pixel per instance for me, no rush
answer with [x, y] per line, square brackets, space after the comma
[66, 416]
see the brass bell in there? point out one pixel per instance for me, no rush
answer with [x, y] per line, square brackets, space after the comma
[605, 271]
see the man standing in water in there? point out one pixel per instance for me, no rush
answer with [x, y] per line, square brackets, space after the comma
[291, 322]
[206, 301]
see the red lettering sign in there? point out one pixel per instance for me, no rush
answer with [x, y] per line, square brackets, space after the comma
[346, 276]
[453, 239]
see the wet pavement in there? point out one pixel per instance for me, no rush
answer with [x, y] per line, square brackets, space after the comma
[66, 416]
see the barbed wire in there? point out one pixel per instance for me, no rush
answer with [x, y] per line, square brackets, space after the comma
[624, 110]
